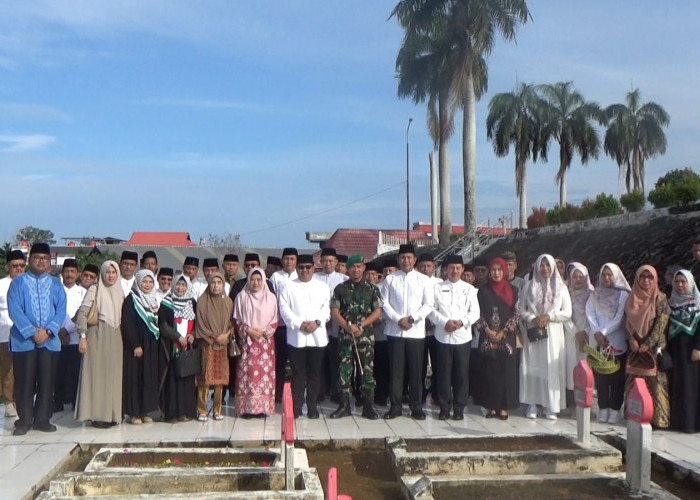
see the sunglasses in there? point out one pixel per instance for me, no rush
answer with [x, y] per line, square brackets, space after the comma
[305, 267]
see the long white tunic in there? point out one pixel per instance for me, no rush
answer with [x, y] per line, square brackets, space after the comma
[5, 321]
[331, 280]
[74, 298]
[280, 278]
[406, 294]
[543, 366]
[127, 284]
[454, 301]
[305, 301]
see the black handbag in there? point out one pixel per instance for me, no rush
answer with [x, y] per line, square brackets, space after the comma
[187, 363]
[664, 361]
[534, 334]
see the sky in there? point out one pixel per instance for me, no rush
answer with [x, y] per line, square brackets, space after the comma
[269, 119]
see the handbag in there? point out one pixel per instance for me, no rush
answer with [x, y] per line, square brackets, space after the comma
[534, 334]
[602, 362]
[187, 363]
[664, 361]
[234, 349]
[93, 315]
[641, 364]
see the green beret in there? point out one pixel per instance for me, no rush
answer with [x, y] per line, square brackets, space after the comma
[355, 259]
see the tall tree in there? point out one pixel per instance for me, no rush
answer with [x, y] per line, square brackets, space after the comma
[569, 120]
[635, 134]
[515, 119]
[421, 67]
[32, 234]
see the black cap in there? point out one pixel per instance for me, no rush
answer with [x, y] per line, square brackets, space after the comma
[425, 257]
[391, 262]
[305, 259]
[191, 261]
[453, 259]
[149, 254]
[230, 257]
[165, 271]
[92, 268]
[371, 266]
[480, 262]
[342, 258]
[468, 268]
[407, 248]
[210, 262]
[251, 257]
[328, 251]
[42, 248]
[289, 251]
[15, 255]
[275, 261]
[128, 255]
[70, 263]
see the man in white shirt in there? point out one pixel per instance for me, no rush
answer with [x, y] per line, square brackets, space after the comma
[408, 298]
[231, 264]
[16, 264]
[149, 261]
[190, 268]
[382, 371]
[328, 275]
[426, 265]
[305, 309]
[278, 280]
[456, 310]
[127, 267]
[68, 370]
[165, 282]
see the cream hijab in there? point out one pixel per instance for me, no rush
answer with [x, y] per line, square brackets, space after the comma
[109, 297]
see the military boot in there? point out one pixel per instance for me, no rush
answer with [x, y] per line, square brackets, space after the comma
[368, 410]
[343, 409]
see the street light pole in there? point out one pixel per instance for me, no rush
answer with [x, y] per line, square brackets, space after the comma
[408, 191]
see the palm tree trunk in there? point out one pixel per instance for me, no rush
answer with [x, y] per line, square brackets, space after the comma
[469, 154]
[562, 190]
[635, 170]
[522, 192]
[444, 172]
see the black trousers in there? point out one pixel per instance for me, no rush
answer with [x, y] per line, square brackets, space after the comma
[451, 365]
[429, 351]
[280, 361]
[329, 381]
[406, 356]
[381, 371]
[306, 365]
[35, 372]
[611, 388]
[67, 375]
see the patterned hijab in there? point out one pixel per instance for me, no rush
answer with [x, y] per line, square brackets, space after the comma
[579, 297]
[685, 309]
[607, 298]
[544, 295]
[256, 309]
[109, 297]
[641, 306]
[180, 304]
[146, 304]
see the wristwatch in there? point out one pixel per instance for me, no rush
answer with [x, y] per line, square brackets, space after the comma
[411, 320]
[83, 336]
[318, 323]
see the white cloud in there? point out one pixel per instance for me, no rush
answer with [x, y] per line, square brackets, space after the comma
[23, 143]
[18, 110]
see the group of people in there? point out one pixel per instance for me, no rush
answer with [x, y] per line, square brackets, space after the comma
[132, 340]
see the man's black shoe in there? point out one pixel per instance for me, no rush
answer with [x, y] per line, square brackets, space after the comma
[20, 430]
[458, 415]
[394, 411]
[342, 411]
[418, 415]
[444, 415]
[45, 427]
[312, 414]
[369, 412]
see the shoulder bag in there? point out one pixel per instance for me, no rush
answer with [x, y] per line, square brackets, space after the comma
[93, 315]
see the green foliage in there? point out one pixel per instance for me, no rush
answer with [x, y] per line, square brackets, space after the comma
[606, 205]
[538, 218]
[676, 188]
[32, 234]
[562, 215]
[6, 248]
[84, 256]
[633, 202]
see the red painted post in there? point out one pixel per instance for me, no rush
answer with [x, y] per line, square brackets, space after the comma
[640, 405]
[287, 415]
[332, 487]
[583, 384]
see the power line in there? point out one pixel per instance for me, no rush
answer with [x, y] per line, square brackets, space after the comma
[338, 207]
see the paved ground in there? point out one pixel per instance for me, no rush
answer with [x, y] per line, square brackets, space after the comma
[26, 460]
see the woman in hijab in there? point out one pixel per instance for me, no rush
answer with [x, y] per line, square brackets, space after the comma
[543, 368]
[498, 328]
[256, 316]
[606, 311]
[648, 314]
[213, 330]
[684, 347]
[176, 322]
[576, 330]
[144, 358]
[100, 388]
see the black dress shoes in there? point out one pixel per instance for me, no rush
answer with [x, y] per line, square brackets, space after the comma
[444, 415]
[45, 427]
[394, 411]
[418, 415]
[458, 416]
[312, 413]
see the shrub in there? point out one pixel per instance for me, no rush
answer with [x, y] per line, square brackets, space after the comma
[587, 210]
[633, 202]
[561, 215]
[676, 188]
[538, 218]
[606, 205]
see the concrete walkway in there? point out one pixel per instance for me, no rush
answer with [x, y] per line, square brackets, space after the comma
[28, 460]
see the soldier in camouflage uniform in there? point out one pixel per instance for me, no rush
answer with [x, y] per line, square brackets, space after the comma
[355, 306]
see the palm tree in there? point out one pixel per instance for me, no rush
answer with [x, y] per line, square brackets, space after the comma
[420, 67]
[468, 29]
[515, 118]
[635, 134]
[569, 121]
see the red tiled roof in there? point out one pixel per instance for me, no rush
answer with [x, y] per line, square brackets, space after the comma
[365, 241]
[459, 230]
[159, 239]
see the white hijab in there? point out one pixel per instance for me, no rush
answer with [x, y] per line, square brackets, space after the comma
[544, 296]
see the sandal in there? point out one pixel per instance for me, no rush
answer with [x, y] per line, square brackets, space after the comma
[202, 417]
[491, 414]
[503, 415]
[147, 419]
[218, 416]
[135, 421]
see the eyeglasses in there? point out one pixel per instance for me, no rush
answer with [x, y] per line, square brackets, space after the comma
[41, 258]
[646, 277]
[19, 266]
[305, 267]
